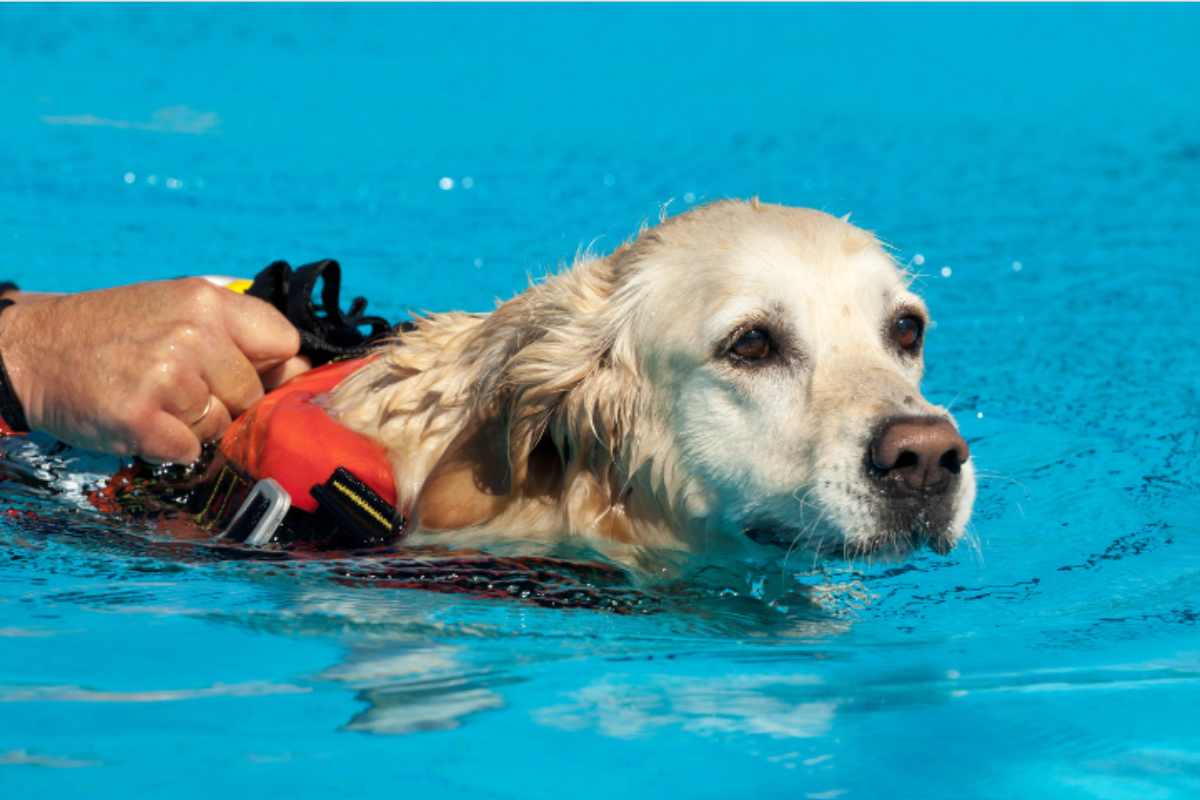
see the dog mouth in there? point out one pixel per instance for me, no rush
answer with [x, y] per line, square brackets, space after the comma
[885, 528]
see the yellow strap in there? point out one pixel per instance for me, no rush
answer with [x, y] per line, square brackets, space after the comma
[363, 504]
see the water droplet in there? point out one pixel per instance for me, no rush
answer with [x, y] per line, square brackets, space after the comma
[478, 263]
[610, 179]
[174, 183]
[468, 182]
[978, 415]
[918, 259]
[130, 177]
[1017, 266]
[446, 183]
[689, 197]
[947, 272]
[152, 180]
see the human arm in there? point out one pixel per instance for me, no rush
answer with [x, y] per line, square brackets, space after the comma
[153, 369]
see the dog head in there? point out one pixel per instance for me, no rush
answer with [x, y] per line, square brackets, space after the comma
[742, 370]
[781, 350]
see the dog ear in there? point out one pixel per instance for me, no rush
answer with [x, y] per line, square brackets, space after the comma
[553, 361]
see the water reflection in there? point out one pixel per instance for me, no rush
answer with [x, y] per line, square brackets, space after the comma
[420, 662]
[422, 689]
[761, 705]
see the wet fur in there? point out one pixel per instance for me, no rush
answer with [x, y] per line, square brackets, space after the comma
[591, 409]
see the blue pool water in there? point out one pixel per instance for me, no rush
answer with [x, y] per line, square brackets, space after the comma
[1044, 162]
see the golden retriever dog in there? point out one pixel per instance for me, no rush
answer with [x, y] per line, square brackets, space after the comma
[738, 376]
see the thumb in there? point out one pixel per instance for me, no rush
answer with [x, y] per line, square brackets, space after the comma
[282, 373]
[257, 329]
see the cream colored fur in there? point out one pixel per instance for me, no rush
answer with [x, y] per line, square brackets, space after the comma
[655, 441]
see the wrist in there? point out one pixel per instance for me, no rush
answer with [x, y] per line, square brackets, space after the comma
[15, 377]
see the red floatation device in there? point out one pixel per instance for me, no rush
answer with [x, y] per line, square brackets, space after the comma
[286, 471]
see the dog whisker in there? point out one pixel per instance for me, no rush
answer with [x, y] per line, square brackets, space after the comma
[802, 534]
[950, 405]
[983, 475]
[971, 538]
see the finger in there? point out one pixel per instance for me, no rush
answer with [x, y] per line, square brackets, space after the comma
[168, 439]
[259, 330]
[231, 378]
[282, 373]
[211, 425]
[185, 394]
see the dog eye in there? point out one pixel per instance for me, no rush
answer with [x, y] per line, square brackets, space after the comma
[906, 331]
[753, 345]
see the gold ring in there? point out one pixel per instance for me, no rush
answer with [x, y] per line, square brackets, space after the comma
[203, 414]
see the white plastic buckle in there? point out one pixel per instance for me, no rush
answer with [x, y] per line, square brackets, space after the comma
[260, 515]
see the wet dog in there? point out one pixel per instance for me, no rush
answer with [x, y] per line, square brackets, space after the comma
[739, 375]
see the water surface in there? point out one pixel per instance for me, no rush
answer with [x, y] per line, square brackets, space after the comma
[1043, 165]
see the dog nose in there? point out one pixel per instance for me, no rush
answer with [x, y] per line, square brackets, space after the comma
[923, 454]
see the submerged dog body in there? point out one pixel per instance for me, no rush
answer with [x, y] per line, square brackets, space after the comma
[743, 371]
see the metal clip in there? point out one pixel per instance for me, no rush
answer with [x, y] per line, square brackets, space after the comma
[260, 515]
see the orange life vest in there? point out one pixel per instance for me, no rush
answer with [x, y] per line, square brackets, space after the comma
[289, 437]
[327, 470]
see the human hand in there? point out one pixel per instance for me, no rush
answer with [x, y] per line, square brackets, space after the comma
[153, 369]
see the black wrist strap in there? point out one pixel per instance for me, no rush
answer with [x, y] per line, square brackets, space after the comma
[10, 407]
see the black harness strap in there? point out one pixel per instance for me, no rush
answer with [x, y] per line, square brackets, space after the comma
[354, 506]
[350, 515]
[326, 332]
[221, 498]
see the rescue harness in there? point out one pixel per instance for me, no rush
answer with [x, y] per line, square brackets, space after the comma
[285, 472]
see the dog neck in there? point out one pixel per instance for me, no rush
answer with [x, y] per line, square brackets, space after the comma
[472, 487]
[472, 484]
